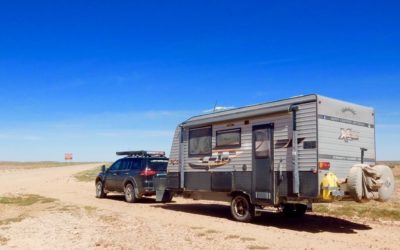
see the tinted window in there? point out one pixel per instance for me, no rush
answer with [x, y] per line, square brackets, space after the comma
[135, 164]
[124, 164]
[158, 164]
[116, 165]
[229, 137]
[200, 141]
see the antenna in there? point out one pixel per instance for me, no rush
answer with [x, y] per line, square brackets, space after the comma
[215, 106]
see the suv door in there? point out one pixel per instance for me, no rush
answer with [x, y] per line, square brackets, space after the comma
[122, 174]
[111, 176]
[136, 167]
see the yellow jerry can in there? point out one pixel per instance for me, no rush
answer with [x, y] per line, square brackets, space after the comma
[328, 184]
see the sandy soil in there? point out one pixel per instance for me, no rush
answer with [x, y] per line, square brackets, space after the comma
[80, 221]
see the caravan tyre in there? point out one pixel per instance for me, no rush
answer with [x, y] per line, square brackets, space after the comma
[354, 183]
[387, 178]
[241, 208]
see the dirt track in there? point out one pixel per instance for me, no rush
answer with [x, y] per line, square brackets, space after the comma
[84, 222]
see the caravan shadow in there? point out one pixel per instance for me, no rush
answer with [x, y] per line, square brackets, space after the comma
[311, 223]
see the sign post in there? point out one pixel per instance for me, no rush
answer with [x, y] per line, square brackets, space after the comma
[68, 156]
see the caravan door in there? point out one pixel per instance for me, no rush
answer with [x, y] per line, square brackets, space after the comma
[263, 162]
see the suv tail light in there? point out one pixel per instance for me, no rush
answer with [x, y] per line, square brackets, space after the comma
[324, 165]
[148, 172]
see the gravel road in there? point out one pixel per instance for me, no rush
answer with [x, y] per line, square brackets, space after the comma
[80, 221]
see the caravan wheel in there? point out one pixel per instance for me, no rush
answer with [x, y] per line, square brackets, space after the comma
[241, 208]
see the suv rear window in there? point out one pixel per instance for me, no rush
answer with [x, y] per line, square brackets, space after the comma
[158, 164]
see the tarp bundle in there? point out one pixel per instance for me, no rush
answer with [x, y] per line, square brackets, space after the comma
[371, 182]
[367, 182]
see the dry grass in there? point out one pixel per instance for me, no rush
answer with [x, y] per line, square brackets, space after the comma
[388, 211]
[3, 240]
[89, 175]
[247, 239]
[25, 200]
[12, 220]
[109, 219]
[90, 209]
[372, 210]
[232, 236]
[36, 164]
[391, 164]
[16, 208]
[211, 231]
[67, 208]
[254, 247]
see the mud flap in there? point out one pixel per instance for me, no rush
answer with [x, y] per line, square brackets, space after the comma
[163, 195]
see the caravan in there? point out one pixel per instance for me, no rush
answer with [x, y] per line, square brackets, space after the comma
[286, 154]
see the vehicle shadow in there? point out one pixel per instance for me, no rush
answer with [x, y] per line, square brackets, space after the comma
[311, 223]
[144, 200]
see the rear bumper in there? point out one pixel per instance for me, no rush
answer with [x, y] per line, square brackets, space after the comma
[148, 187]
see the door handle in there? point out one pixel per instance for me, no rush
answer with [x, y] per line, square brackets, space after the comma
[114, 174]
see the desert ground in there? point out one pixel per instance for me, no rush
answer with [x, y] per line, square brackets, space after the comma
[51, 208]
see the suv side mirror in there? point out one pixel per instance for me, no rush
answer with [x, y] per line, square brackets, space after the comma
[103, 168]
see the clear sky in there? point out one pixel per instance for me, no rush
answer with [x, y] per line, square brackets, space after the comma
[94, 77]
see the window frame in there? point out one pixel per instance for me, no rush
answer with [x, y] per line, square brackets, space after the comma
[270, 128]
[210, 134]
[228, 131]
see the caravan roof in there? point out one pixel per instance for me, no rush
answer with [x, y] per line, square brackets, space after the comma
[248, 111]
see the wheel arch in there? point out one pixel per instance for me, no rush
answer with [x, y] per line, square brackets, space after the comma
[98, 178]
[129, 181]
[241, 192]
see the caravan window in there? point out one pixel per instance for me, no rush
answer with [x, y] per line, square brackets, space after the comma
[262, 143]
[200, 141]
[228, 138]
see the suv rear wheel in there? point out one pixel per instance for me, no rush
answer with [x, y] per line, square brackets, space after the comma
[130, 195]
[100, 190]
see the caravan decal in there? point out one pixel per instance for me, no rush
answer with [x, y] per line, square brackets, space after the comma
[217, 159]
[342, 120]
[349, 110]
[347, 134]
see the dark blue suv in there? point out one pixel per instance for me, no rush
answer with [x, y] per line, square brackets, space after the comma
[132, 175]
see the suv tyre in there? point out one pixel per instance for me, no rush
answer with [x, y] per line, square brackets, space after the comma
[100, 190]
[130, 194]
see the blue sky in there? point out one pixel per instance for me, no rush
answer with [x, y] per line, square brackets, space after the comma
[94, 77]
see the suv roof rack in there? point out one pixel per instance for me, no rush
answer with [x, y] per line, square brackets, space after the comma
[142, 153]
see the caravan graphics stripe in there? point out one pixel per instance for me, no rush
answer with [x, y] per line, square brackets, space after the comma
[344, 158]
[342, 120]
